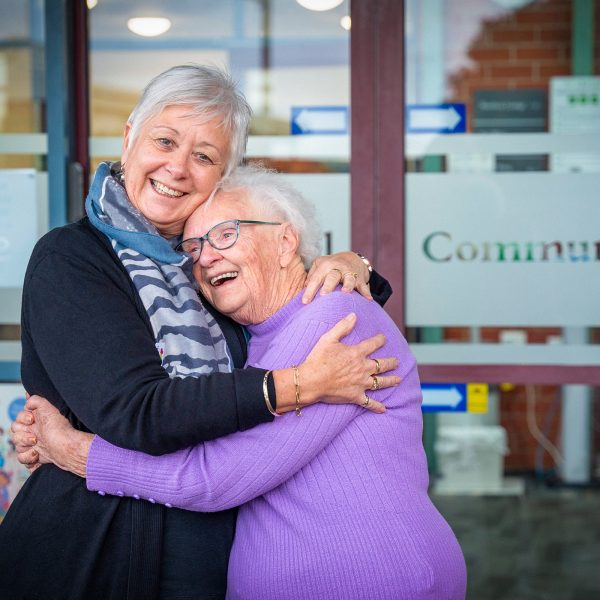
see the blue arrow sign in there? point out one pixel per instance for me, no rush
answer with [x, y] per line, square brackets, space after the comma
[316, 120]
[444, 397]
[436, 118]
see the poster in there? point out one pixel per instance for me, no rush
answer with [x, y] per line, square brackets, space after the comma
[12, 473]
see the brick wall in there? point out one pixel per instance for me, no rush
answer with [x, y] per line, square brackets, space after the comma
[522, 50]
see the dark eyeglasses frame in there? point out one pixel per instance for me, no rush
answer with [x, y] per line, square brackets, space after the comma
[205, 238]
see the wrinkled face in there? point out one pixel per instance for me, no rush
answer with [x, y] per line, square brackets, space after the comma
[239, 281]
[173, 165]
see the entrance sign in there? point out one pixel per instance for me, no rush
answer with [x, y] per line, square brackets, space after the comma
[436, 118]
[319, 120]
[503, 249]
[455, 397]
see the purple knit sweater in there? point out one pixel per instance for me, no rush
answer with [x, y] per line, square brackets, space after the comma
[334, 503]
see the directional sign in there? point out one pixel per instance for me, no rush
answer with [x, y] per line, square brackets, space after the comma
[448, 397]
[454, 397]
[436, 118]
[318, 120]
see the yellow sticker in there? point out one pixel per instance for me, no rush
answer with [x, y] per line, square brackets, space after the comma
[477, 397]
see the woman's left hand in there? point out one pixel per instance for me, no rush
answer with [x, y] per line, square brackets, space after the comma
[344, 268]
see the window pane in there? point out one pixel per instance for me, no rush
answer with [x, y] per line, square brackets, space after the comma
[284, 57]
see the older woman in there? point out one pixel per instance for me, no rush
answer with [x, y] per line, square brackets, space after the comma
[114, 335]
[336, 501]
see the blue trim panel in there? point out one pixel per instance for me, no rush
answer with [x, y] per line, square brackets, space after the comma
[10, 372]
[57, 119]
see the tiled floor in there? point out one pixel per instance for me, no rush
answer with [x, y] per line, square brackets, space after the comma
[543, 545]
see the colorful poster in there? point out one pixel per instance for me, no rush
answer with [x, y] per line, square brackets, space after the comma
[12, 474]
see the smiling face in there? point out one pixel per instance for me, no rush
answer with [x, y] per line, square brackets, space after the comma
[254, 278]
[173, 165]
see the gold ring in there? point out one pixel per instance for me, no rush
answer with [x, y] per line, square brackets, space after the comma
[377, 367]
[365, 404]
[339, 271]
[355, 275]
[375, 385]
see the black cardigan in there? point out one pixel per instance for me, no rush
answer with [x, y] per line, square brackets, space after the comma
[89, 348]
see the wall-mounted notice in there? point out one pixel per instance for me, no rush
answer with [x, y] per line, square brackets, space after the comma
[575, 108]
[12, 473]
[503, 249]
[18, 224]
[511, 111]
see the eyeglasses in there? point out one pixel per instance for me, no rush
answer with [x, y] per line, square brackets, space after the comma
[221, 236]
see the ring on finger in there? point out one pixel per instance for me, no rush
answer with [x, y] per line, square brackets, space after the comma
[365, 404]
[355, 275]
[375, 385]
[377, 367]
[341, 274]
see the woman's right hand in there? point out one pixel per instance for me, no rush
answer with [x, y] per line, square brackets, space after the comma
[341, 374]
[42, 435]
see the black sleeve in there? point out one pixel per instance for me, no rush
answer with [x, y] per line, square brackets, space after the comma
[95, 348]
[381, 290]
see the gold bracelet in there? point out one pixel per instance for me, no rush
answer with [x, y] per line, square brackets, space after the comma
[297, 385]
[266, 396]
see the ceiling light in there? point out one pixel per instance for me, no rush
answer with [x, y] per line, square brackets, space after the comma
[319, 4]
[513, 4]
[92, 4]
[346, 22]
[149, 26]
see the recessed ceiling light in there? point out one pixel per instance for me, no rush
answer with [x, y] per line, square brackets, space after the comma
[346, 22]
[319, 4]
[149, 26]
[513, 3]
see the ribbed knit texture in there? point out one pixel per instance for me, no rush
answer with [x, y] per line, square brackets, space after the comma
[335, 502]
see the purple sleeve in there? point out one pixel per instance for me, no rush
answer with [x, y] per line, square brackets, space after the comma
[232, 470]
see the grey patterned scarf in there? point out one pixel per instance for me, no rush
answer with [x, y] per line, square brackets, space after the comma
[188, 339]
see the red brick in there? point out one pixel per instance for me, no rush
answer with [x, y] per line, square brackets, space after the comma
[513, 35]
[510, 71]
[547, 71]
[547, 15]
[555, 35]
[550, 53]
[491, 53]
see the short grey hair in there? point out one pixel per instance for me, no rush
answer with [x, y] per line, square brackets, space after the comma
[276, 199]
[209, 91]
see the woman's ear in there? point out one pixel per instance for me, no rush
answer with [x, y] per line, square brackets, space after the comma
[125, 149]
[288, 244]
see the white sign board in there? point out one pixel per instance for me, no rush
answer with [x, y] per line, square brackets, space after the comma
[575, 108]
[516, 249]
[18, 224]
